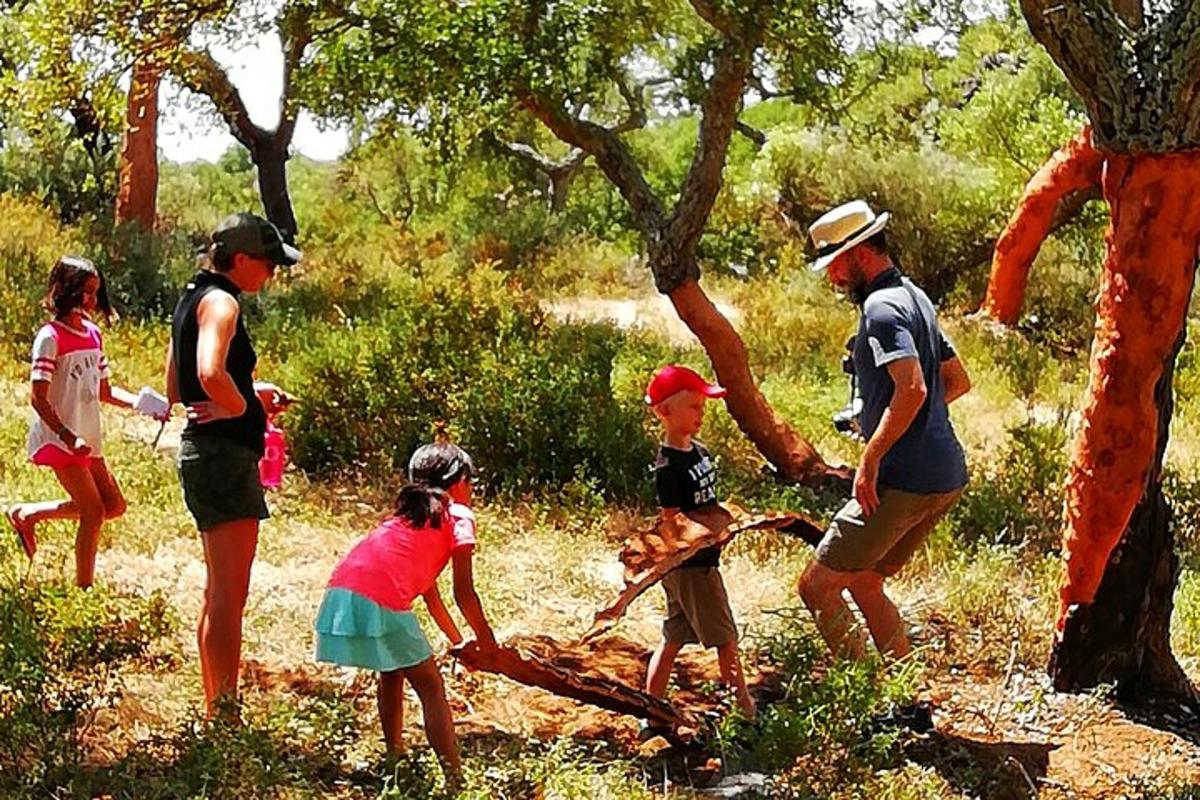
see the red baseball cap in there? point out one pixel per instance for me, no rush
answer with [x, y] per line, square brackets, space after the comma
[674, 378]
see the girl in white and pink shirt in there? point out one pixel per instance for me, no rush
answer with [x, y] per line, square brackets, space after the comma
[70, 379]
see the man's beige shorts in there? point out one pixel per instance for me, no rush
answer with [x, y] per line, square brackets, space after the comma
[697, 608]
[886, 540]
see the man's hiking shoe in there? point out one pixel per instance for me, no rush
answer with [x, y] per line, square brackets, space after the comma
[23, 532]
[916, 717]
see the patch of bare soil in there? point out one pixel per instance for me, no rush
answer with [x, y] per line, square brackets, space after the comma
[653, 313]
[995, 738]
[1019, 739]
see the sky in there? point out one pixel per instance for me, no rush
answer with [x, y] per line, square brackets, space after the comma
[191, 131]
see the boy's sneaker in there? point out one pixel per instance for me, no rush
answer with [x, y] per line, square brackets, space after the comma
[24, 532]
[647, 730]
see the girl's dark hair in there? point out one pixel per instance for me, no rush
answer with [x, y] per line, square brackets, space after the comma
[422, 506]
[440, 465]
[67, 281]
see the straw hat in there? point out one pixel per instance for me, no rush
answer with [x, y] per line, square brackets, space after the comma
[842, 228]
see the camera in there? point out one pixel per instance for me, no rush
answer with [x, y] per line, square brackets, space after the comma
[847, 419]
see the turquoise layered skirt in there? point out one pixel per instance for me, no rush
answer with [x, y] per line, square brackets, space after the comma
[355, 631]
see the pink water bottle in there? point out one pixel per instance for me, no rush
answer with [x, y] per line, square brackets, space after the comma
[270, 466]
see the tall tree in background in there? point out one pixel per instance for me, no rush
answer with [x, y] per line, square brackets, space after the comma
[75, 52]
[151, 32]
[298, 23]
[60, 98]
[580, 69]
[1136, 68]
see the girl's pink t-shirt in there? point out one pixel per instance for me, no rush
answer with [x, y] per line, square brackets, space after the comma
[396, 563]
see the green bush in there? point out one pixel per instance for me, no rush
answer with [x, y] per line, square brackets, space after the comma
[145, 272]
[821, 734]
[61, 651]
[293, 749]
[31, 240]
[1017, 498]
[944, 210]
[532, 400]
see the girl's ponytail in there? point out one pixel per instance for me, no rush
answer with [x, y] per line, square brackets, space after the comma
[422, 506]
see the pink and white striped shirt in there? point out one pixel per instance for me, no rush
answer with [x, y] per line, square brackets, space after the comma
[73, 363]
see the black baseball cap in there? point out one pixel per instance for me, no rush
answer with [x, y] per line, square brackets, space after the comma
[251, 234]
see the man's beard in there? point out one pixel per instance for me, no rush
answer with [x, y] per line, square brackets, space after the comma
[857, 286]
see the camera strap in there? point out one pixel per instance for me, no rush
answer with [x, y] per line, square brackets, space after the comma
[931, 331]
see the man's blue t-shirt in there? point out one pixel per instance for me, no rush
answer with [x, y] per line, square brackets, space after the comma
[899, 321]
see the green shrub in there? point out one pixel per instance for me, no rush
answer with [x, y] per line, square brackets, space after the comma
[292, 749]
[942, 223]
[31, 240]
[61, 651]
[145, 272]
[1017, 498]
[821, 733]
[531, 399]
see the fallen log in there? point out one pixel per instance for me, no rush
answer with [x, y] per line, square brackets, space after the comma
[544, 663]
[650, 554]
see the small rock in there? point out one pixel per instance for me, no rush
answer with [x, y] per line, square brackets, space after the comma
[652, 746]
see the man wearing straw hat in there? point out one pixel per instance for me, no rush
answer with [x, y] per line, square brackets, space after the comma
[912, 468]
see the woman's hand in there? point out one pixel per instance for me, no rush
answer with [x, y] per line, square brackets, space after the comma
[205, 411]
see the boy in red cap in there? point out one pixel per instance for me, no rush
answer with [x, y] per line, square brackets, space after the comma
[697, 606]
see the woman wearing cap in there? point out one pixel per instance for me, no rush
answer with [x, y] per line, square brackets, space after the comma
[210, 369]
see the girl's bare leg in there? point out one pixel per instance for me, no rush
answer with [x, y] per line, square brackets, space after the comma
[439, 725]
[391, 710]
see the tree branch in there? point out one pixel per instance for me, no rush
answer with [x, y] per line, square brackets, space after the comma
[201, 73]
[295, 34]
[719, 111]
[718, 20]
[611, 154]
[1084, 37]
[634, 96]
[757, 137]
[540, 161]
[1131, 13]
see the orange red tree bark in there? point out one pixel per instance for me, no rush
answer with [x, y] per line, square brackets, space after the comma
[137, 191]
[1120, 568]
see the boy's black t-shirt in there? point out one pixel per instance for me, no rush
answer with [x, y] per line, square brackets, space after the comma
[687, 480]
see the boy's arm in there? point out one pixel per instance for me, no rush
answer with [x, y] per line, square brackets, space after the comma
[467, 599]
[437, 610]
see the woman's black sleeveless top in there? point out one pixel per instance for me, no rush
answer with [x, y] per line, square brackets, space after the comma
[248, 429]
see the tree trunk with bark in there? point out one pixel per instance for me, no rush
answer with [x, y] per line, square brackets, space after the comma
[1123, 637]
[269, 149]
[1058, 190]
[1134, 66]
[671, 235]
[795, 459]
[270, 161]
[1121, 569]
[137, 192]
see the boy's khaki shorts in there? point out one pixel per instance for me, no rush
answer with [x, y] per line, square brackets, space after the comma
[697, 608]
[886, 540]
